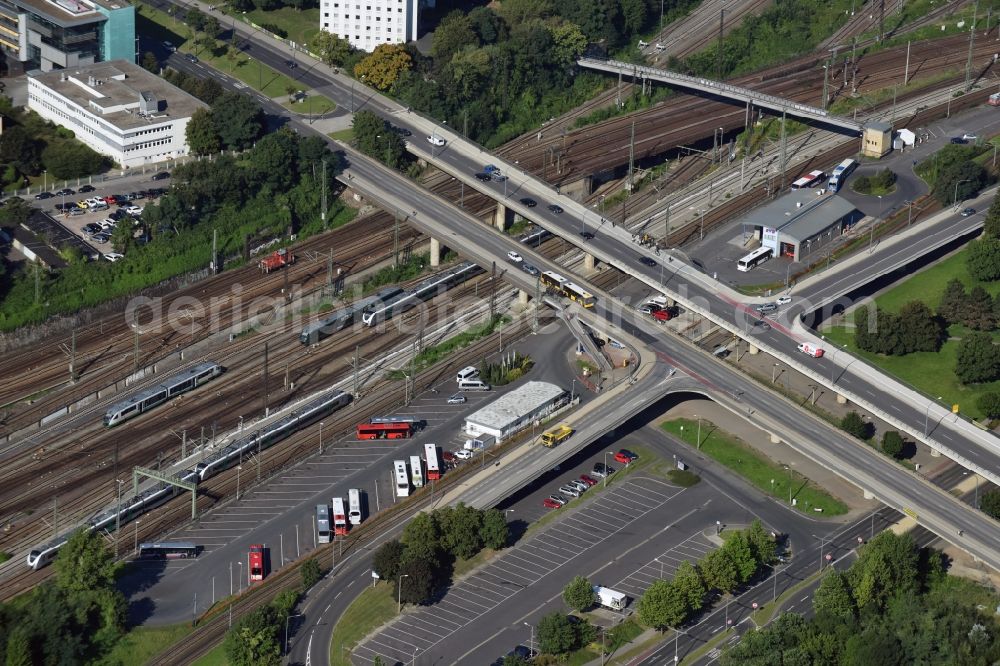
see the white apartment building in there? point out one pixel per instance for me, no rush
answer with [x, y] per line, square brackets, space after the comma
[368, 23]
[118, 109]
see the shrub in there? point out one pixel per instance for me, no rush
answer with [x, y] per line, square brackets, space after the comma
[989, 404]
[853, 424]
[892, 444]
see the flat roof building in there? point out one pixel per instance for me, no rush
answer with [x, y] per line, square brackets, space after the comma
[514, 411]
[59, 34]
[372, 22]
[801, 222]
[118, 109]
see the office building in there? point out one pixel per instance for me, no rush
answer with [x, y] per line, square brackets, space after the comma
[118, 109]
[59, 34]
[368, 23]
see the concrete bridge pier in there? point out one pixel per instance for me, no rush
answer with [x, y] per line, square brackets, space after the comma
[502, 217]
[435, 252]
[589, 263]
[522, 297]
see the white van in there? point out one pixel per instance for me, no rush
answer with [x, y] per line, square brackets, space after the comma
[466, 373]
[473, 385]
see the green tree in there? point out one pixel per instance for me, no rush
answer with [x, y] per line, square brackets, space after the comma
[952, 304]
[416, 579]
[254, 640]
[368, 128]
[239, 120]
[568, 43]
[737, 547]
[461, 535]
[854, 425]
[202, 137]
[719, 571]
[72, 159]
[687, 580]
[383, 67]
[991, 225]
[311, 573]
[579, 594]
[18, 652]
[555, 634]
[634, 15]
[517, 12]
[386, 560]
[495, 532]
[892, 444]
[979, 312]
[194, 19]
[886, 566]
[920, 329]
[989, 502]
[982, 259]
[272, 160]
[833, 597]
[873, 646]
[85, 563]
[515, 660]
[761, 541]
[959, 181]
[978, 359]
[211, 27]
[663, 605]
[989, 404]
[332, 49]
[150, 63]
[122, 238]
[452, 34]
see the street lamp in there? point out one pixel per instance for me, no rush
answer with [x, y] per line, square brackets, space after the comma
[789, 468]
[238, 468]
[954, 198]
[531, 640]
[975, 502]
[399, 593]
[286, 629]
[604, 481]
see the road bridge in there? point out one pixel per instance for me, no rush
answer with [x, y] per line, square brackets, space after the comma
[947, 516]
[726, 92]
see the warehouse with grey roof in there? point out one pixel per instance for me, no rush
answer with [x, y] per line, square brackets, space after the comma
[516, 410]
[801, 222]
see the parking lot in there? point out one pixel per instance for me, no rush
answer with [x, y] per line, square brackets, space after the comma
[664, 565]
[607, 515]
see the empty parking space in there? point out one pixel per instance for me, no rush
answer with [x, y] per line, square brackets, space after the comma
[609, 513]
[664, 565]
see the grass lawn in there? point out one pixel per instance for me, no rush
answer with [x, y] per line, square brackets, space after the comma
[314, 105]
[139, 645]
[301, 25]
[766, 475]
[347, 135]
[216, 657]
[373, 608]
[162, 26]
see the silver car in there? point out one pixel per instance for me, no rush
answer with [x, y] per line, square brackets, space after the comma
[569, 490]
[579, 485]
[456, 399]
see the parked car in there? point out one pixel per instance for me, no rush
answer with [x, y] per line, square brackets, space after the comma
[113, 256]
[602, 470]
[110, 200]
[555, 209]
[646, 261]
[550, 503]
[85, 189]
[589, 480]
[163, 175]
[569, 490]
[100, 238]
[969, 137]
[968, 211]
[134, 211]
[76, 210]
[456, 399]
[65, 192]
[90, 228]
[783, 300]
[463, 454]
[448, 457]
[135, 196]
[529, 202]
[556, 498]
[579, 485]
[628, 454]
[515, 257]
[44, 195]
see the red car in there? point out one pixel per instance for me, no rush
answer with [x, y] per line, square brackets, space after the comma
[550, 503]
[625, 457]
[589, 480]
[111, 201]
[660, 315]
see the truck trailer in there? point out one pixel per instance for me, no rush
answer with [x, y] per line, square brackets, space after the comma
[610, 598]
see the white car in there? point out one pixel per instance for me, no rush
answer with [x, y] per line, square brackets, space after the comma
[463, 454]
[113, 256]
[783, 300]
[436, 140]
[93, 202]
[515, 257]
[134, 211]
[811, 350]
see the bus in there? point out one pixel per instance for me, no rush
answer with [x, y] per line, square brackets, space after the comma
[840, 174]
[811, 179]
[322, 523]
[168, 550]
[339, 517]
[754, 259]
[431, 457]
[416, 471]
[553, 280]
[384, 430]
[354, 506]
[401, 478]
[579, 294]
[256, 563]
[414, 422]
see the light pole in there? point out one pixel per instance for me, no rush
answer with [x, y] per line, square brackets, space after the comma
[871, 236]
[975, 502]
[789, 468]
[286, 629]
[45, 179]
[238, 468]
[321, 438]
[531, 640]
[118, 514]
[698, 440]
[774, 373]
[954, 198]
[399, 593]
[604, 481]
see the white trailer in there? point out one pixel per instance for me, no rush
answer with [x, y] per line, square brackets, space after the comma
[610, 598]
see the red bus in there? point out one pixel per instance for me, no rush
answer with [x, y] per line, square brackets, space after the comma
[339, 517]
[257, 563]
[431, 455]
[385, 430]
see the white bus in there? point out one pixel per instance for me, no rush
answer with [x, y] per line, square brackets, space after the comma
[809, 180]
[401, 478]
[416, 472]
[354, 506]
[840, 174]
[322, 523]
[431, 456]
[755, 258]
[339, 517]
